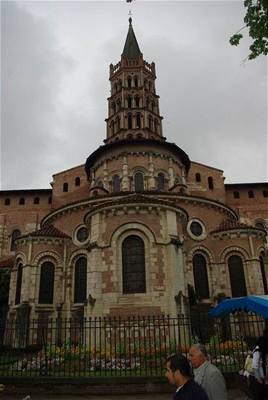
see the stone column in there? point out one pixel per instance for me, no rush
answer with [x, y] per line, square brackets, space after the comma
[125, 178]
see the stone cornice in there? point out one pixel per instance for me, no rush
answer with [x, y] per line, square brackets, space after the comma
[168, 196]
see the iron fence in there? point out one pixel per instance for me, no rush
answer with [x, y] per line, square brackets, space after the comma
[135, 346]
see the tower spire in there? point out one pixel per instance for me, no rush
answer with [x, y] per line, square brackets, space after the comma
[131, 48]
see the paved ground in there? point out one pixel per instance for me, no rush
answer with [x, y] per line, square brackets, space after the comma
[232, 395]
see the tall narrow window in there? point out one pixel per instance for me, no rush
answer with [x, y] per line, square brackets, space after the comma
[21, 201]
[15, 234]
[19, 282]
[80, 280]
[129, 81]
[136, 83]
[116, 183]
[138, 182]
[251, 194]
[133, 258]
[150, 123]
[160, 181]
[7, 202]
[263, 274]
[129, 102]
[46, 288]
[129, 121]
[65, 187]
[210, 183]
[237, 276]
[138, 121]
[137, 101]
[77, 181]
[200, 276]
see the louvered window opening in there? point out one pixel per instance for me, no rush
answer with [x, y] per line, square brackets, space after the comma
[133, 265]
[237, 276]
[116, 184]
[18, 286]
[200, 276]
[161, 181]
[139, 182]
[80, 280]
[46, 289]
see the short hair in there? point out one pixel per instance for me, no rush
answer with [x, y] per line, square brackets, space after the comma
[201, 347]
[178, 362]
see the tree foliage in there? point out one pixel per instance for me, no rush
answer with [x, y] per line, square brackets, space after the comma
[256, 20]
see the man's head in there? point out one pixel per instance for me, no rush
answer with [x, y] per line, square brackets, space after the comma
[178, 369]
[197, 355]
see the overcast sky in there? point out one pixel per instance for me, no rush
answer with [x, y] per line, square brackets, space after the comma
[55, 60]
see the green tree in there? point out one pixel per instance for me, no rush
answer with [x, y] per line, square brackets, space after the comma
[256, 20]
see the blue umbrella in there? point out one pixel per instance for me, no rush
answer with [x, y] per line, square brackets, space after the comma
[256, 304]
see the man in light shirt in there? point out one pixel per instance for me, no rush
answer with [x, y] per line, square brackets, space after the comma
[207, 374]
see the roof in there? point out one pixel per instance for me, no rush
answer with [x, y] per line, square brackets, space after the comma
[228, 225]
[105, 149]
[6, 262]
[131, 48]
[256, 304]
[245, 185]
[48, 231]
[25, 191]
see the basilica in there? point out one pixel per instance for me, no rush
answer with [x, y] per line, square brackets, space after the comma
[139, 228]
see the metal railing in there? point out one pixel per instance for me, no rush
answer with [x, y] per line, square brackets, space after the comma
[135, 346]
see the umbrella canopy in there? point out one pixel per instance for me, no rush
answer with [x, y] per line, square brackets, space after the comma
[256, 304]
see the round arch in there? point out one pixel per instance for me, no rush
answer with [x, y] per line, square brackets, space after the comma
[233, 250]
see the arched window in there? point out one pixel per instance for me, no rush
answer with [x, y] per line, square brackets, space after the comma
[77, 181]
[237, 276]
[263, 274]
[129, 121]
[133, 260]
[236, 195]
[46, 287]
[160, 181]
[129, 81]
[138, 121]
[210, 183]
[80, 280]
[251, 194]
[137, 101]
[200, 276]
[136, 83]
[138, 182]
[21, 201]
[197, 177]
[265, 193]
[117, 124]
[116, 183]
[15, 234]
[19, 282]
[65, 187]
[36, 200]
[156, 125]
[118, 104]
[7, 202]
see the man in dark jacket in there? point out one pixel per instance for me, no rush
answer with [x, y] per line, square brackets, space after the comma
[178, 372]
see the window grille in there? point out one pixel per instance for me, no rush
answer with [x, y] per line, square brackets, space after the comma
[237, 276]
[80, 280]
[46, 288]
[200, 276]
[133, 258]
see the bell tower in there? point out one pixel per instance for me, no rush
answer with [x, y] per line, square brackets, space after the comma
[133, 107]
